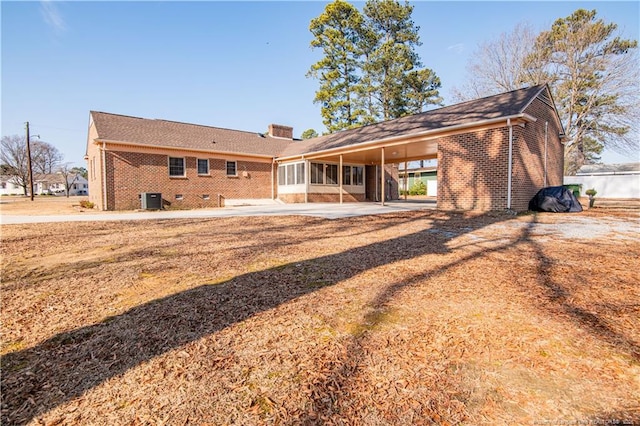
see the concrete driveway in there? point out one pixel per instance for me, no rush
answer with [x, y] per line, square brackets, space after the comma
[324, 210]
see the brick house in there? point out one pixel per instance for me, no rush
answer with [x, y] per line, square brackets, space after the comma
[493, 153]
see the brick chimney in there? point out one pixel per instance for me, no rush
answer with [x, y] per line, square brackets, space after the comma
[279, 131]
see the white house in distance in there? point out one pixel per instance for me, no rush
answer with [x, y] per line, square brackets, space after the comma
[54, 184]
[9, 186]
[619, 181]
[46, 184]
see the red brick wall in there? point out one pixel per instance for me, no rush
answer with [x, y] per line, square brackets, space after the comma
[473, 167]
[291, 198]
[472, 170]
[529, 155]
[334, 198]
[132, 173]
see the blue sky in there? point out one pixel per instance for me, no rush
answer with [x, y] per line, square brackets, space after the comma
[238, 65]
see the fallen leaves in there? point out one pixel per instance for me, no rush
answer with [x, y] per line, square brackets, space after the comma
[412, 318]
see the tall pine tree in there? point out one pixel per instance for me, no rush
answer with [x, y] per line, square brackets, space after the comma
[391, 68]
[338, 32]
[370, 70]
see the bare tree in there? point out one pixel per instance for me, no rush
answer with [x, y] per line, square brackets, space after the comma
[594, 81]
[14, 159]
[69, 175]
[501, 65]
[45, 157]
[593, 75]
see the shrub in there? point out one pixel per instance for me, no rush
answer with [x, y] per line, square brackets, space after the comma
[86, 204]
[592, 196]
[418, 188]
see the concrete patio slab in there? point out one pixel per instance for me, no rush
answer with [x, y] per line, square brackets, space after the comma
[324, 210]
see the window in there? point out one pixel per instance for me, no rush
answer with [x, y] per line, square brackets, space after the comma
[291, 178]
[358, 175]
[205, 196]
[232, 168]
[179, 197]
[324, 174]
[332, 174]
[291, 174]
[317, 173]
[176, 167]
[300, 173]
[203, 166]
[346, 175]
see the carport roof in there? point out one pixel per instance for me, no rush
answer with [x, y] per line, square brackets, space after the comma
[474, 111]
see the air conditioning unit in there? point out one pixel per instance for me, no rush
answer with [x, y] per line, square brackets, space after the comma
[151, 200]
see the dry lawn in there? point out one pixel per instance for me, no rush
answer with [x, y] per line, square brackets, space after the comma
[414, 318]
[42, 205]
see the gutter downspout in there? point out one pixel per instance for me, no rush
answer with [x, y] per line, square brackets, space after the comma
[104, 176]
[546, 143]
[509, 165]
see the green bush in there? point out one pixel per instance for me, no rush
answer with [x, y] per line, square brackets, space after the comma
[86, 204]
[418, 188]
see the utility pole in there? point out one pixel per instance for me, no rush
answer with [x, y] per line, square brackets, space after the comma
[29, 163]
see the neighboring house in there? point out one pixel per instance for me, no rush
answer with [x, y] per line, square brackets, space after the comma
[428, 175]
[609, 180]
[493, 153]
[9, 186]
[47, 184]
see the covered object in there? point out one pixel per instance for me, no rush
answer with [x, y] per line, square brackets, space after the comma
[555, 199]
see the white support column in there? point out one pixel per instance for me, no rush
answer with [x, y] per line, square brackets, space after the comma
[307, 181]
[340, 178]
[382, 182]
[406, 180]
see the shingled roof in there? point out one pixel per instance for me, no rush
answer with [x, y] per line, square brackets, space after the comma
[475, 111]
[172, 134]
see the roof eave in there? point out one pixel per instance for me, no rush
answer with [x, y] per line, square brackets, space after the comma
[175, 148]
[433, 133]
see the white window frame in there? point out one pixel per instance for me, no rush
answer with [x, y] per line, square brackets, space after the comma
[325, 168]
[198, 160]
[235, 167]
[184, 167]
[290, 174]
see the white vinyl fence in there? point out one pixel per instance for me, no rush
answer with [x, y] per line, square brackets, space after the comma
[608, 186]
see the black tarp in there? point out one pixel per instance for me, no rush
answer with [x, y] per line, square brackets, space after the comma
[556, 199]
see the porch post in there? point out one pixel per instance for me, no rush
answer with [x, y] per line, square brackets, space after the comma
[382, 177]
[307, 180]
[406, 180]
[340, 178]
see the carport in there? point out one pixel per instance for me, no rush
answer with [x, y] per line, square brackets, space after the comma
[487, 149]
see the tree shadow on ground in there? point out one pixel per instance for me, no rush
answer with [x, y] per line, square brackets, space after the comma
[330, 392]
[38, 379]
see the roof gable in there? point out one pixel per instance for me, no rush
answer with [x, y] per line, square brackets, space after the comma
[474, 111]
